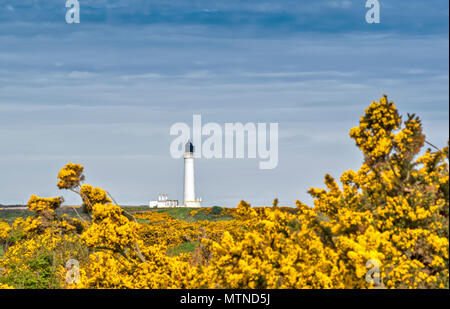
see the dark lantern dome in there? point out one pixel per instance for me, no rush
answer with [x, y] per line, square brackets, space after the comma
[189, 147]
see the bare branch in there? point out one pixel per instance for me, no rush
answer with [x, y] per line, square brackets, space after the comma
[432, 145]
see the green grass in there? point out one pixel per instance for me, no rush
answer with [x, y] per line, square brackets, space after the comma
[187, 247]
[135, 208]
[178, 213]
[143, 221]
[210, 217]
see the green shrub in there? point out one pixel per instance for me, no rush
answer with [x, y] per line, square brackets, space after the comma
[216, 210]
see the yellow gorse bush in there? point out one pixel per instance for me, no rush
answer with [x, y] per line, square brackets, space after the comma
[40, 204]
[71, 176]
[391, 214]
[4, 229]
[92, 196]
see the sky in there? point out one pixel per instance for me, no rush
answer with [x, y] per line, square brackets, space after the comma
[105, 92]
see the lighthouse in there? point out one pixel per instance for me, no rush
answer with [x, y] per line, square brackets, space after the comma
[190, 199]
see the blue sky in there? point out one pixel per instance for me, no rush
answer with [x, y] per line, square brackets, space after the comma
[105, 92]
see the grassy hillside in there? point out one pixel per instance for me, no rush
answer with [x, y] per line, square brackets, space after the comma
[185, 214]
[12, 214]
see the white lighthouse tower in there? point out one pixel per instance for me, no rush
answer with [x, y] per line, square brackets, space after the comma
[189, 179]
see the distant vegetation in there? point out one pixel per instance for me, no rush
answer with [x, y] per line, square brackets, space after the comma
[197, 214]
[10, 215]
[214, 213]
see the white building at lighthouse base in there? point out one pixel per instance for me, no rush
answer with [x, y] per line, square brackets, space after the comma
[163, 202]
[193, 203]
